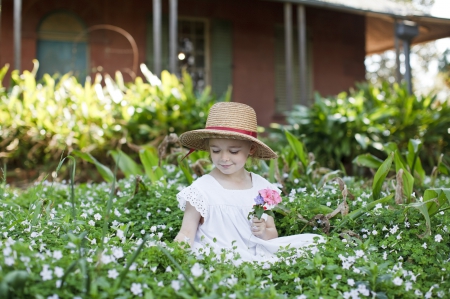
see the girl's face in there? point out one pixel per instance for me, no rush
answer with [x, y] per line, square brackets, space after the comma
[230, 155]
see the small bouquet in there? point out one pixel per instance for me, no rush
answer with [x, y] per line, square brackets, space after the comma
[266, 197]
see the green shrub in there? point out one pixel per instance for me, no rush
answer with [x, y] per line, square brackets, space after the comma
[337, 129]
[39, 120]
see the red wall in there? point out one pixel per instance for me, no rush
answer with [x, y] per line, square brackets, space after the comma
[338, 41]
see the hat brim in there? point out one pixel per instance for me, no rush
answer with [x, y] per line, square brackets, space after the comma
[196, 140]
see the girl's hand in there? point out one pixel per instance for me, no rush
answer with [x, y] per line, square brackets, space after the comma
[258, 227]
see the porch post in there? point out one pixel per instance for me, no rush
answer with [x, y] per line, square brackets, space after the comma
[17, 33]
[173, 36]
[288, 53]
[301, 20]
[398, 75]
[157, 37]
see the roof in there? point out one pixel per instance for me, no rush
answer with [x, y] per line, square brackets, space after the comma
[380, 18]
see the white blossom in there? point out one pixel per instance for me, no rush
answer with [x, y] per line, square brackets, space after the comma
[136, 289]
[197, 270]
[398, 281]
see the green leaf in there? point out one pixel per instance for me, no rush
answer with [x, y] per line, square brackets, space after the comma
[104, 171]
[436, 198]
[297, 147]
[380, 176]
[149, 160]
[408, 179]
[186, 170]
[125, 163]
[414, 146]
[367, 160]
[422, 208]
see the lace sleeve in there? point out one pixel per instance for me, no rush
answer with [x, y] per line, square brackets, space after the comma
[195, 198]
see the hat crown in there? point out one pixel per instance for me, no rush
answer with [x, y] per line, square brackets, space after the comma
[232, 115]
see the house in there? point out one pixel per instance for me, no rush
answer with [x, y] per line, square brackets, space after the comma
[274, 53]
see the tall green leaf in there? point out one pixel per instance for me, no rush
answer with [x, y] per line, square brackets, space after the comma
[125, 163]
[368, 160]
[414, 146]
[104, 171]
[408, 179]
[297, 147]
[436, 199]
[380, 176]
[149, 160]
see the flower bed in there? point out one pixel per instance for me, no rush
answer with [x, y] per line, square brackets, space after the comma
[53, 249]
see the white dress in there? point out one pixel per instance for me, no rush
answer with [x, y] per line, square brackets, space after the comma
[226, 224]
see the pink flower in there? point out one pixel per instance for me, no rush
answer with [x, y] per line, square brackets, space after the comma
[271, 197]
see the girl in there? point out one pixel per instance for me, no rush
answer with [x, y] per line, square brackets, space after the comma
[217, 204]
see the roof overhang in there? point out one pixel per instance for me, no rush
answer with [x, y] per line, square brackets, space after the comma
[381, 16]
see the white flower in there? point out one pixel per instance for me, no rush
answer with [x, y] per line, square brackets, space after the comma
[359, 253]
[168, 269]
[9, 261]
[197, 270]
[302, 297]
[106, 259]
[84, 215]
[374, 232]
[46, 274]
[143, 231]
[119, 234]
[175, 285]
[408, 285]
[424, 245]
[94, 241]
[338, 277]
[97, 216]
[136, 289]
[398, 281]
[113, 274]
[394, 229]
[117, 213]
[59, 272]
[57, 254]
[438, 238]
[118, 252]
[351, 282]
[91, 222]
[54, 296]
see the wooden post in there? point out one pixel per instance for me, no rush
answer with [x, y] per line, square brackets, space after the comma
[398, 75]
[173, 36]
[288, 54]
[301, 20]
[17, 33]
[157, 63]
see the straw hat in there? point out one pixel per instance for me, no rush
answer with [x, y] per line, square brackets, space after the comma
[228, 120]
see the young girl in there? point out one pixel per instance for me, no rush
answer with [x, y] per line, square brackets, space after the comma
[217, 204]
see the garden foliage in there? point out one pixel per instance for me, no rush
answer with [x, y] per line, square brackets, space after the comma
[114, 240]
[365, 119]
[41, 119]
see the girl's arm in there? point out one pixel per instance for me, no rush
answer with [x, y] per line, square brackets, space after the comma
[189, 225]
[264, 229]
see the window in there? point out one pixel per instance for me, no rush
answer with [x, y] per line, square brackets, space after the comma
[192, 51]
[204, 50]
[61, 45]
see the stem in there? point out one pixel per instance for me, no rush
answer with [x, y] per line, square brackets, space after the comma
[109, 206]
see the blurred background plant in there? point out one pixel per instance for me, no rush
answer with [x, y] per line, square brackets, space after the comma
[42, 119]
[365, 119]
